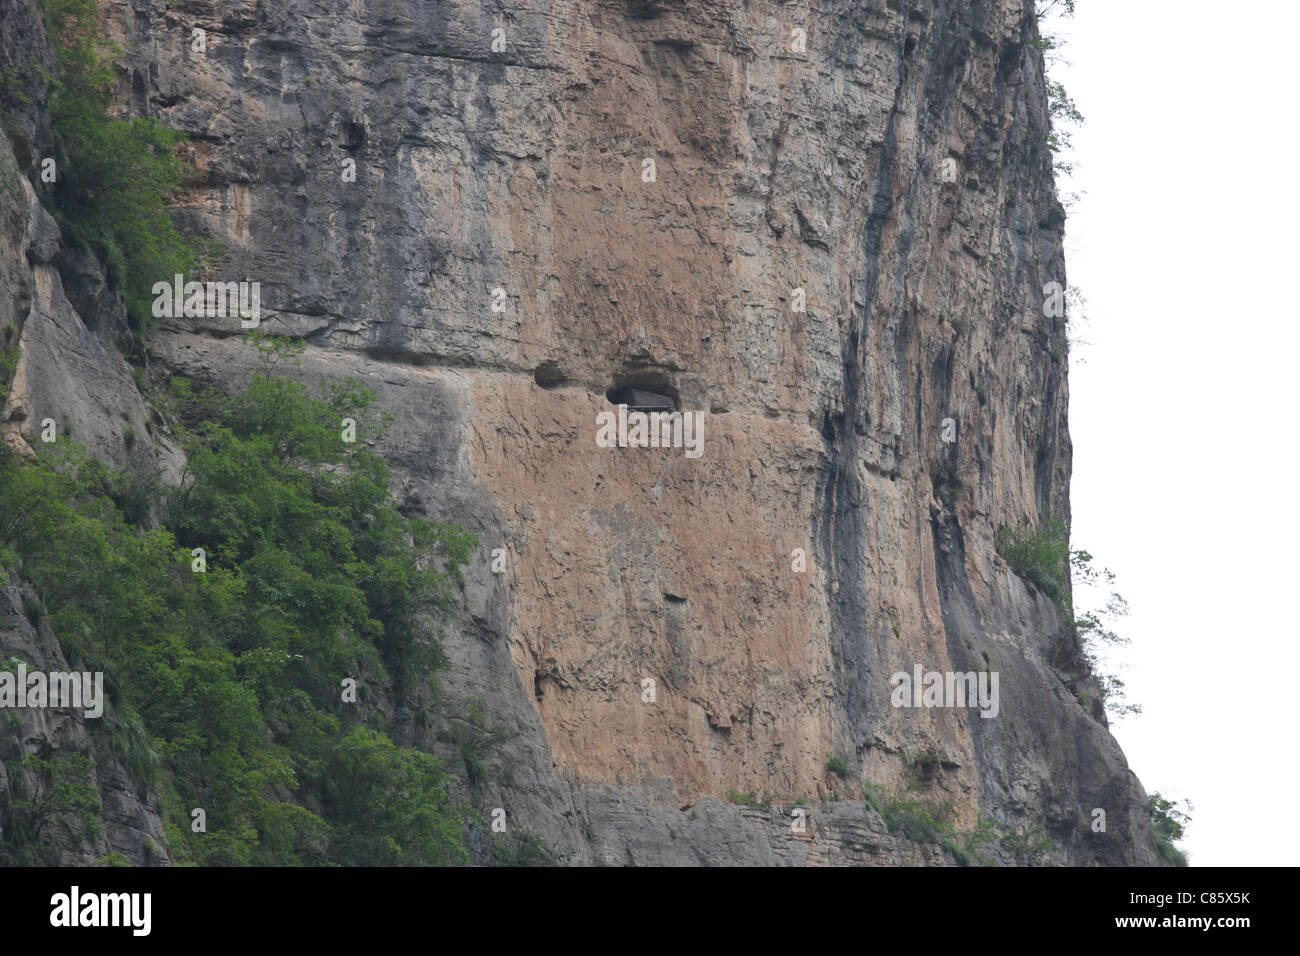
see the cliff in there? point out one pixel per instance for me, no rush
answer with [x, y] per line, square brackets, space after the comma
[825, 228]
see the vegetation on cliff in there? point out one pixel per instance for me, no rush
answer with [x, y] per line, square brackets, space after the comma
[229, 666]
[114, 177]
[1042, 556]
[1168, 824]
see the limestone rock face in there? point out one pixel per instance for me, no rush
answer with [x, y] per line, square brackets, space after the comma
[823, 231]
[130, 819]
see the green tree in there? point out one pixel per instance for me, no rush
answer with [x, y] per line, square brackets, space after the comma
[54, 804]
[1168, 825]
[419, 825]
[234, 674]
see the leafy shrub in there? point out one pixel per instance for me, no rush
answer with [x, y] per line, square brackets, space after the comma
[8, 364]
[903, 809]
[520, 849]
[1168, 825]
[418, 824]
[1093, 628]
[1040, 555]
[115, 176]
[839, 766]
[55, 804]
[1061, 108]
[1027, 844]
[113, 859]
[967, 846]
[473, 739]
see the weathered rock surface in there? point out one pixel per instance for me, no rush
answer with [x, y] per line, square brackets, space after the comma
[130, 823]
[796, 271]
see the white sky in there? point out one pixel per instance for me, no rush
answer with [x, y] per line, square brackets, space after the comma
[1184, 246]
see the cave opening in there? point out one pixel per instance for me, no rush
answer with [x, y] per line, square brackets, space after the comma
[644, 391]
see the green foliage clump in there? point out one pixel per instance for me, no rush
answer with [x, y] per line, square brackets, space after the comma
[839, 766]
[1044, 7]
[908, 810]
[1040, 555]
[520, 849]
[742, 799]
[114, 176]
[1092, 629]
[1043, 557]
[472, 739]
[1168, 825]
[9, 183]
[54, 804]
[1062, 111]
[232, 676]
[968, 846]
[9, 357]
[905, 809]
[392, 804]
[1028, 844]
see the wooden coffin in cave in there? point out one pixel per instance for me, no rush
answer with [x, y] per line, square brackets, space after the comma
[640, 400]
